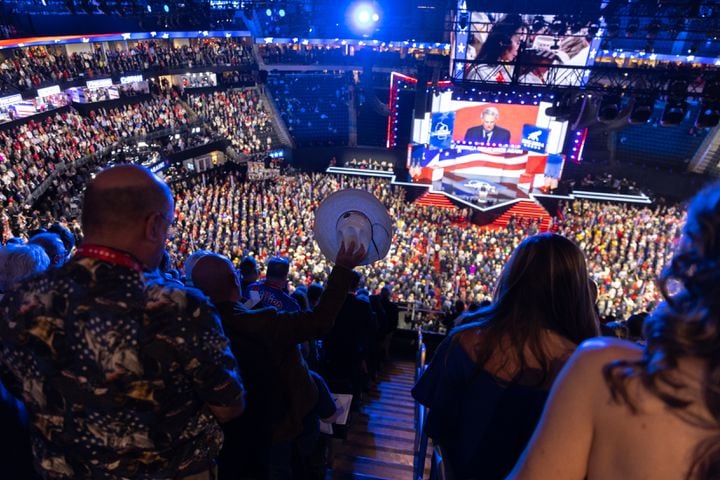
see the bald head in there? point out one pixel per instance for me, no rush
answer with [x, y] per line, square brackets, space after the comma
[215, 276]
[122, 197]
[127, 208]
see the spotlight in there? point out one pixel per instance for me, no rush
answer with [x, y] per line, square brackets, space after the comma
[166, 9]
[642, 110]
[674, 112]
[709, 116]
[609, 107]
[268, 12]
[281, 12]
[362, 17]
[562, 108]
[710, 107]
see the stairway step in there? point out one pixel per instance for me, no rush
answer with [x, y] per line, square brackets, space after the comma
[399, 381]
[350, 476]
[390, 403]
[369, 466]
[379, 429]
[393, 388]
[379, 418]
[369, 421]
[391, 455]
[404, 445]
[408, 414]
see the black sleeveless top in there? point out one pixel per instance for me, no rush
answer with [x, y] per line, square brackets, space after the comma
[482, 423]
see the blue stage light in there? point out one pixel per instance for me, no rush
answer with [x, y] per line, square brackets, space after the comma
[281, 12]
[363, 17]
[363, 14]
[268, 12]
[166, 8]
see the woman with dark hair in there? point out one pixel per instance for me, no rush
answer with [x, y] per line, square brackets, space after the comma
[620, 410]
[502, 45]
[488, 381]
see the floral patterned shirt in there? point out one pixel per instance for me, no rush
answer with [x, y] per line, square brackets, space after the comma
[116, 372]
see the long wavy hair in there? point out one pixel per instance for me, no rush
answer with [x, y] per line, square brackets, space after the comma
[499, 40]
[544, 285]
[685, 324]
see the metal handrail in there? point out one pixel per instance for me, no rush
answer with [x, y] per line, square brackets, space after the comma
[421, 439]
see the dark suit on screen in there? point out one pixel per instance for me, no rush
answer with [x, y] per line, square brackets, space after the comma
[498, 135]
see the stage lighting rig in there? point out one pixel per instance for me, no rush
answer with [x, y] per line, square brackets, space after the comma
[642, 110]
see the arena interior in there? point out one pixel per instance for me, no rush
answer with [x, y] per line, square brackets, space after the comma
[484, 128]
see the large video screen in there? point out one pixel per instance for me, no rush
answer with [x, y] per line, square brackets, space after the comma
[501, 48]
[487, 150]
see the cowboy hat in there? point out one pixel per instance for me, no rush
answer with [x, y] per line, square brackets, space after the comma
[353, 215]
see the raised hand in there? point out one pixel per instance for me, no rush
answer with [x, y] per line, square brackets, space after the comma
[350, 257]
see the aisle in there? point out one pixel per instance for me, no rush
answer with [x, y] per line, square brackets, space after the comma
[379, 444]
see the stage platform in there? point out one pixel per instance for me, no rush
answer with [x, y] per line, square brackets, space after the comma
[491, 200]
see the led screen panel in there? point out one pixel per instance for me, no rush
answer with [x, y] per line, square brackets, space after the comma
[499, 48]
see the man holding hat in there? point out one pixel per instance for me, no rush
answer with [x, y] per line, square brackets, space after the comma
[280, 389]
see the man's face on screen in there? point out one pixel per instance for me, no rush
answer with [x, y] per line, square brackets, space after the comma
[489, 122]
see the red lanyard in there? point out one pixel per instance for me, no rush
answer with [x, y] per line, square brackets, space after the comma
[110, 255]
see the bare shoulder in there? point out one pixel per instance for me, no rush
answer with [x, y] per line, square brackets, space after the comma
[597, 352]
[469, 337]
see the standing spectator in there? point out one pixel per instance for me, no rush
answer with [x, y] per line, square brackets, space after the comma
[392, 317]
[19, 262]
[281, 392]
[346, 345]
[488, 381]
[122, 378]
[249, 272]
[53, 246]
[617, 398]
[273, 289]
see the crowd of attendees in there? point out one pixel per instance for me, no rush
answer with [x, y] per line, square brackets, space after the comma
[315, 107]
[337, 55]
[8, 31]
[26, 68]
[238, 115]
[31, 152]
[264, 228]
[436, 257]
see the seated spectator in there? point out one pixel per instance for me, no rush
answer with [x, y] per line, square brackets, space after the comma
[281, 392]
[122, 378]
[488, 381]
[20, 262]
[616, 399]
